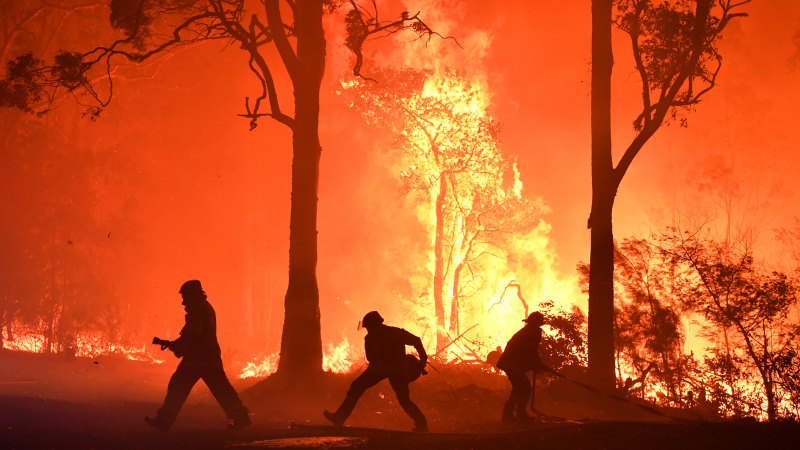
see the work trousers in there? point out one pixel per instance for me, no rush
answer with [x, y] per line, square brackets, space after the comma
[184, 379]
[520, 394]
[370, 378]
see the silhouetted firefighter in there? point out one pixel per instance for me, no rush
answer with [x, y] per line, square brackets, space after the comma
[521, 355]
[386, 354]
[200, 353]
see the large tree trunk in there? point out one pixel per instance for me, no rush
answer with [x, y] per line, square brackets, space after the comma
[301, 342]
[601, 260]
[438, 270]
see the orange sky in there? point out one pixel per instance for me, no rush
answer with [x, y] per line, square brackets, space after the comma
[195, 195]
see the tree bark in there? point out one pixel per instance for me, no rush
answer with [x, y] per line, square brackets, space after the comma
[301, 341]
[438, 270]
[604, 189]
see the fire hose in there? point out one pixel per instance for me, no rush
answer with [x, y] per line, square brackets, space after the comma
[558, 374]
[617, 397]
[445, 380]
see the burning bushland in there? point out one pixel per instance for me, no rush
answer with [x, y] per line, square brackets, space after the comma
[421, 214]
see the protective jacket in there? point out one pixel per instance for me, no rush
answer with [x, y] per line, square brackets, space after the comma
[522, 350]
[386, 348]
[198, 342]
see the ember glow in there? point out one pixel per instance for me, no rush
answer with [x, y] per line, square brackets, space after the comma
[341, 358]
[260, 368]
[86, 346]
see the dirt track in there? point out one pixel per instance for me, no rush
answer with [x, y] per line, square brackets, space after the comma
[52, 403]
[30, 423]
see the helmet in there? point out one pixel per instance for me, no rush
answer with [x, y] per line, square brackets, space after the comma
[535, 318]
[191, 287]
[371, 319]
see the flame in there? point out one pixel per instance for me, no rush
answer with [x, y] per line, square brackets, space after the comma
[339, 358]
[457, 109]
[267, 366]
[26, 342]
[94, 346]
[86, 346]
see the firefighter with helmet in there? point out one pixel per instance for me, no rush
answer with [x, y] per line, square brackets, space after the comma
[520, 356]
[199, 351]
[386, 354]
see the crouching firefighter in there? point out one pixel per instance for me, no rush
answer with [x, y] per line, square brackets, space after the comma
[386, 354]
[520, 356]
[200, 353]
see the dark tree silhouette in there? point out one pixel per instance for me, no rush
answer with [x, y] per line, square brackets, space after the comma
[647, 326]
[155, 27]
[674, 46]
[731, 292]
[564, 344]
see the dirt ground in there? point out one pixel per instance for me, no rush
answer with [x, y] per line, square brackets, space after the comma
[50, 402]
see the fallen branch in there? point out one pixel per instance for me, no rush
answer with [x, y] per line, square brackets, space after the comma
[454, 340]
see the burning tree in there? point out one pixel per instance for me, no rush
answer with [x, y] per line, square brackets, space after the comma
[649, 338]
[157, 27]
[747, 314]
[648, 325]
[751, 308]
[674, 47]
[451, 162]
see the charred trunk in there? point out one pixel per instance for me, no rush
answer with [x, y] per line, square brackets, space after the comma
[438, 270]
[771, 406]
[601, 260]
[301, 342]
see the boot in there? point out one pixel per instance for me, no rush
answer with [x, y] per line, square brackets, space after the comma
[337, 418]
[239, 423]
[157, 423]
[334, 418]
[522, 414]
[508, 412]
[420, 425]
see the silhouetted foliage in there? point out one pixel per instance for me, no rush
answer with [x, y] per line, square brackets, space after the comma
[19, 88]
[752, 306]
[564, 338]
[151, 27]
[746, 313]
[648, 332]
